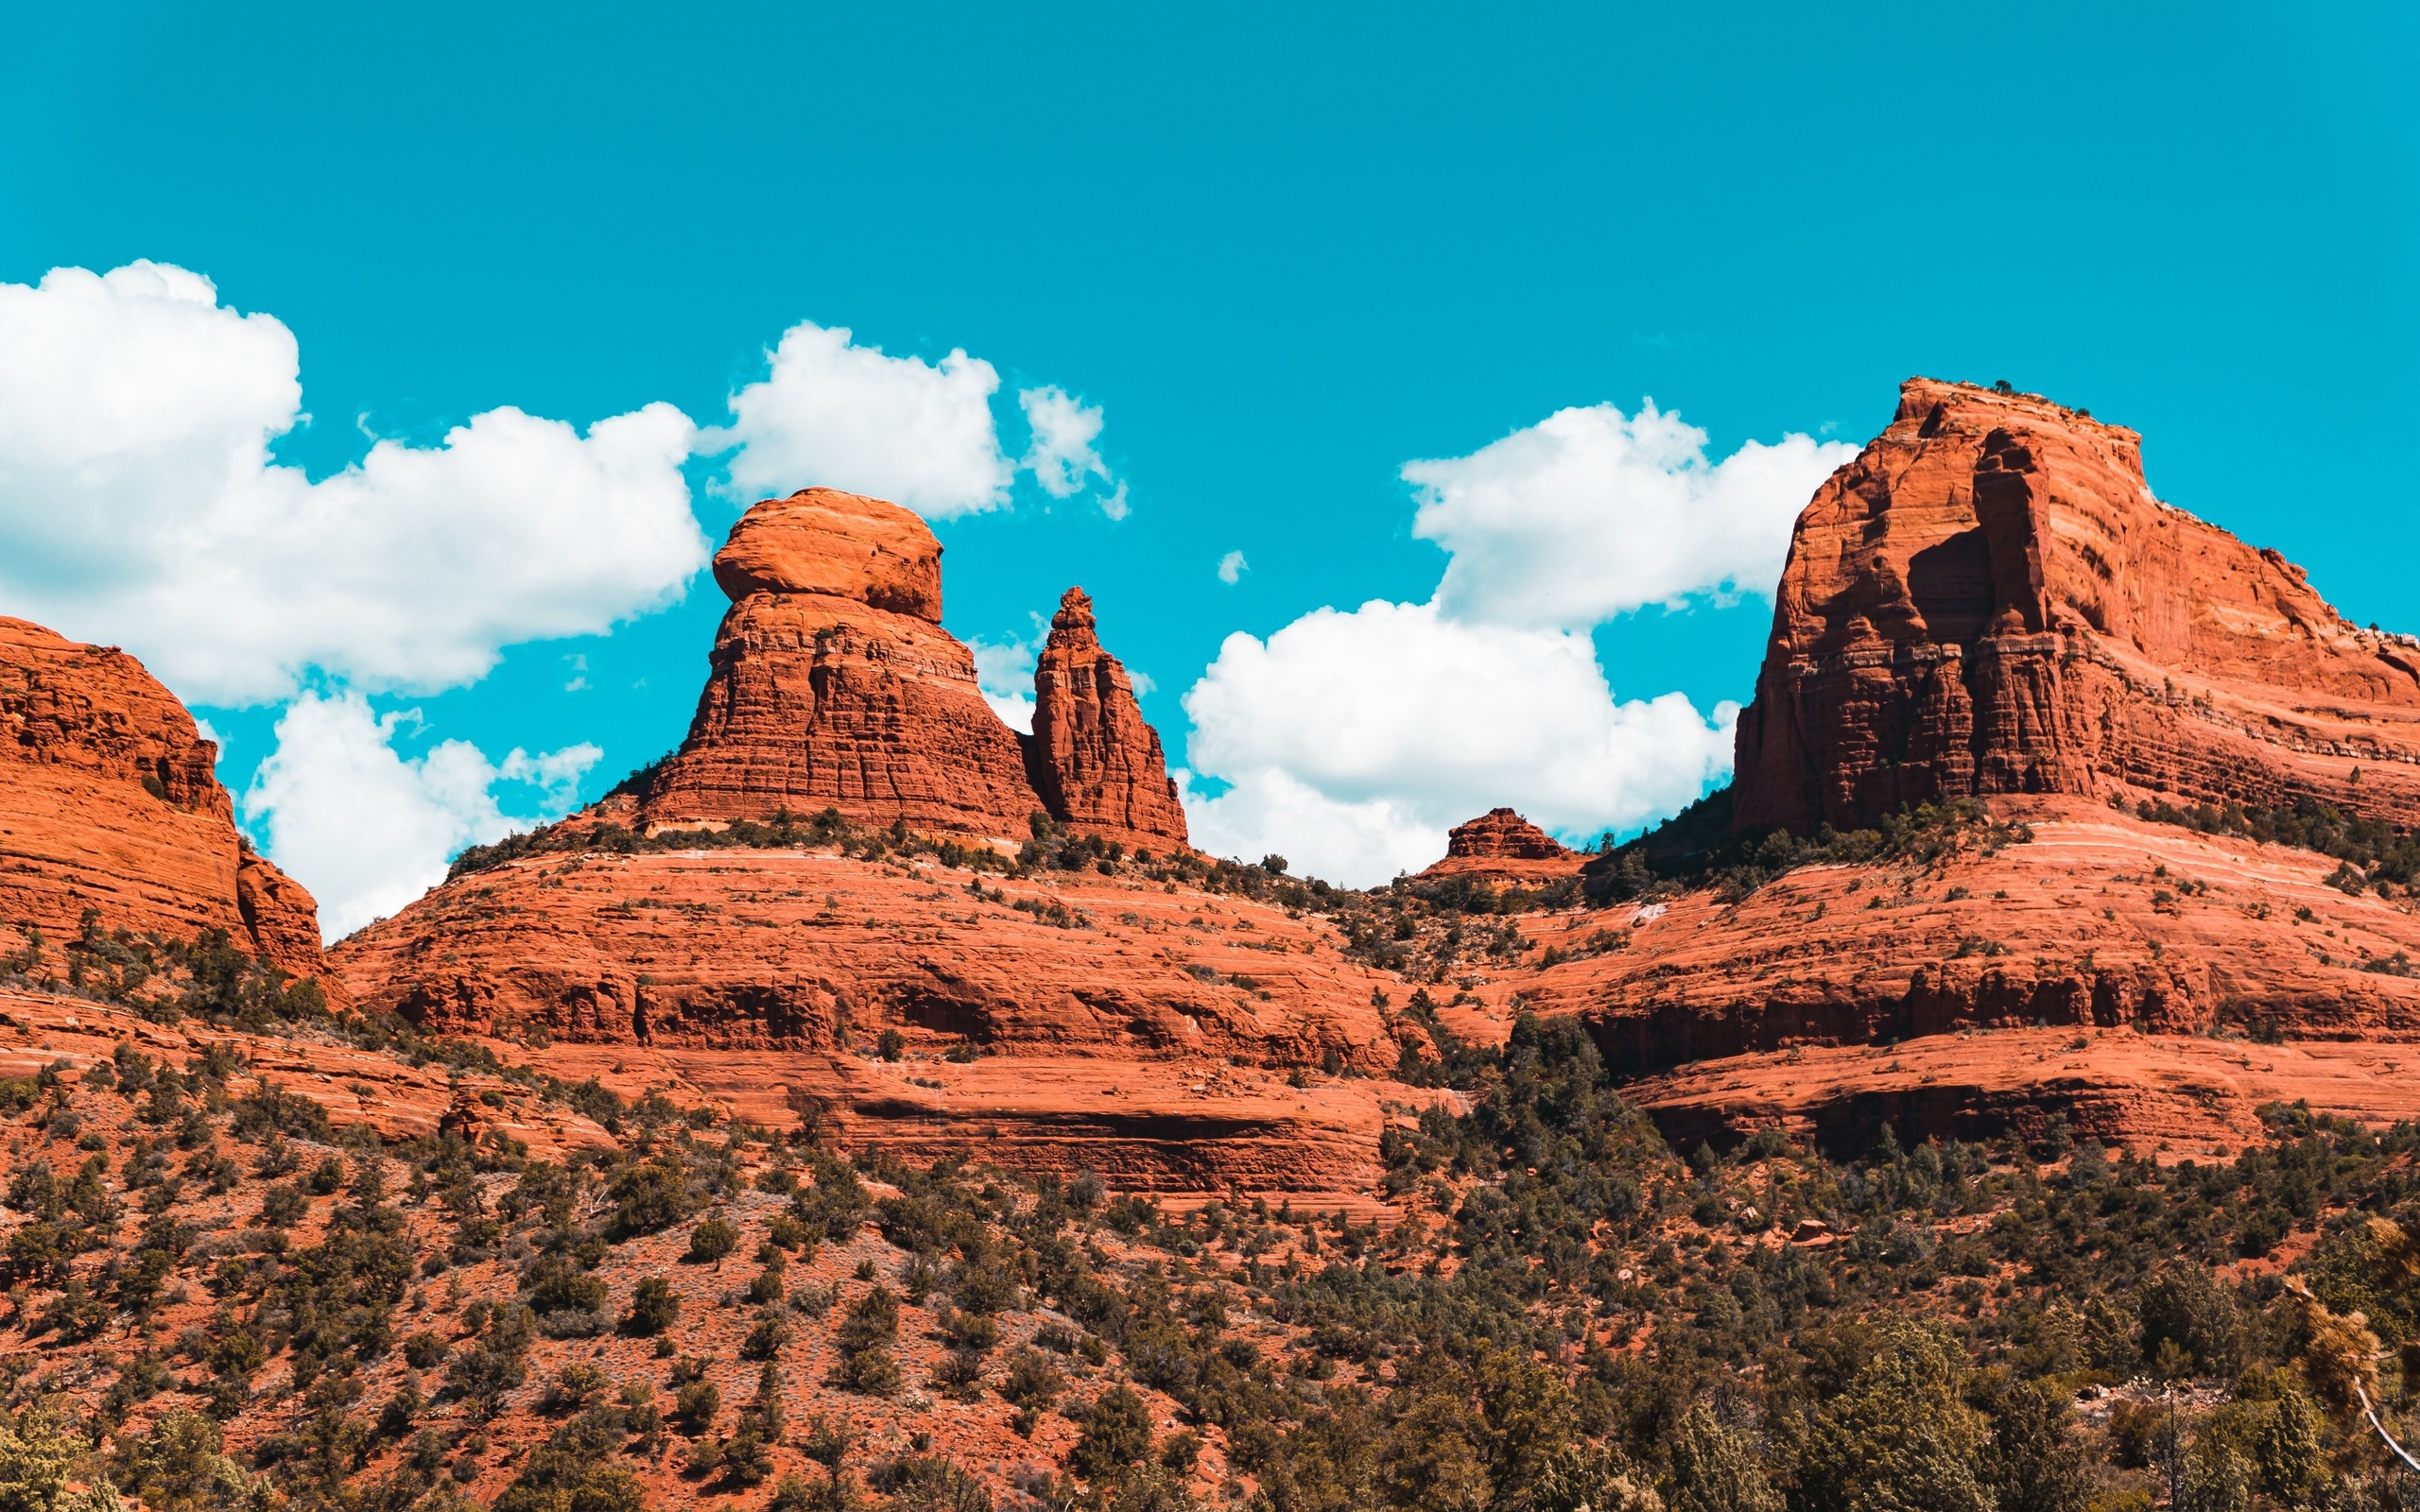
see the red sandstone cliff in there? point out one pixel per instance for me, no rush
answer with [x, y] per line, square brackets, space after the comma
[1094, 760]
[108, 802]
[1141, 1030]
[835, 686]
[1989, 599]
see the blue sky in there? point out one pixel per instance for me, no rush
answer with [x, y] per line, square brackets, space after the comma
[1283, 255]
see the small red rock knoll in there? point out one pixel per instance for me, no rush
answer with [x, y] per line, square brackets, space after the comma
[1501, 845]
[1096, 764]
[108, 802]
[1990, 600]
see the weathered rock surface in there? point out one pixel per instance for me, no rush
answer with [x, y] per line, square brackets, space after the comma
[1096, 766]
[108, 802]
[1990, 600]
[834, 685]
[766, 977]
[839, 546]
[2169, 1095]
[1501, 845]
[2102, 922]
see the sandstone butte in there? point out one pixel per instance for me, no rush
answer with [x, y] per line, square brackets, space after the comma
[1989, 599]
[1501, 845]
[833, 685]
[1142, 1032]
[109, 803]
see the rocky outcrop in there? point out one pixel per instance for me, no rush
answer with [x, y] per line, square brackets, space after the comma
[834, 685]
[824, 542]
[1500, 845]
[2099, 924]
[1094, 1020]
[1989, 599]
[2173, 1095]
[1500, 835]
[1096, 766]
[108, 801]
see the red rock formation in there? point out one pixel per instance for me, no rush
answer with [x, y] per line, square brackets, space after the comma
[1990, 600]
[841, 545]
[108, 802]
[1095, 762]
[760, 978]
[2100, 924]
[2173, 1095]
[1500, 835]
[1500, 845]
[835, 686]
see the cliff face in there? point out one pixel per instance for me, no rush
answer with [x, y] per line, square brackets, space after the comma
[1990, 600]
[2134, 935]
[108, 802]
[835, 686]
[1094, 760]
[1113, 1018]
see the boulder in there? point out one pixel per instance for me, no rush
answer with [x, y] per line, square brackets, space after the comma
[841, 545]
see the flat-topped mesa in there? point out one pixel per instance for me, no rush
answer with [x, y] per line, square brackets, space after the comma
[834, 685]
[108, 801]
[1989, 599]
[1095, 762]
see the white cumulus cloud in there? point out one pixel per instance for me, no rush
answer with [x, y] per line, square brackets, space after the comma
[139, 506]
[1588, 515]
[1351, 741]
[1062, 456]
[831, 414]
[1355, 740]
[367, 828]
[1004, 675]
[1232, 568]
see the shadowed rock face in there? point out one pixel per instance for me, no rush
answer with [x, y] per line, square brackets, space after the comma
[1095, 763]
[1989, 599]
[108, 802]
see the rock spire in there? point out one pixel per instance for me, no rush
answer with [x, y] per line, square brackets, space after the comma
[1094, 760]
